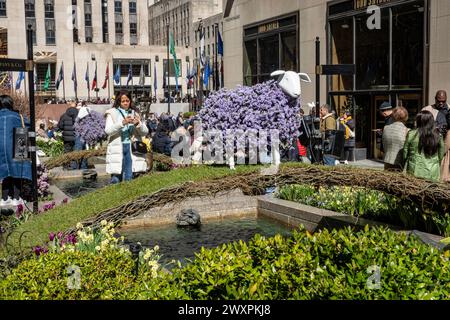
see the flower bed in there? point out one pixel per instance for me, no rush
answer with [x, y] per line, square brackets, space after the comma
[51, 147]
[376, 205]
[327, 265]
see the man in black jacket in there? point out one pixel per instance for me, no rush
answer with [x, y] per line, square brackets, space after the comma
[440, 111]
[66, 125]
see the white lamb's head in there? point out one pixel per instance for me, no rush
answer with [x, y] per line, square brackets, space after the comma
[289, 82]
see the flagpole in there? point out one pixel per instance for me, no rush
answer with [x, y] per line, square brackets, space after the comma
[215, 59]
[168, 70]
[88, 86]
[109, 86]
[216, 66]
[64, 83]
[96, 85]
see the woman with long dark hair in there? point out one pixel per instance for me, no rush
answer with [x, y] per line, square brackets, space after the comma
[13, 172]
[424, 148]
[123, 125]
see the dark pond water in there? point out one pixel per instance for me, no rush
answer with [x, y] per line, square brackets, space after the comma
[75, 188]
[181, 243]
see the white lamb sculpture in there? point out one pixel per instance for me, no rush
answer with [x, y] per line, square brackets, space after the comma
[290, 84]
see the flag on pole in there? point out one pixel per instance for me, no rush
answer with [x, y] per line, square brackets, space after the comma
[202, 48]
[219, 44]
[222, 84]
[175, 60]
[199, 77]
[142, 76]
[86, 76]
[94, 81]
[219, 71]
[117, 75]
[105, 84]
[207, 73]
[60, 76]
[19, 79]
[130, 74]
[155, 82]
[47, 79]
[74, 77]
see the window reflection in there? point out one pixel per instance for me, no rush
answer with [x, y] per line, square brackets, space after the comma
[342, 51]
[372, 53]
[250, 63]
[407, 46]
[269, 52]
[289, 50]
[272, 49]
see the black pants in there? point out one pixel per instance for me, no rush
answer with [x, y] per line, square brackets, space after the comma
[68, 146]
[11, 187]
[349, 153]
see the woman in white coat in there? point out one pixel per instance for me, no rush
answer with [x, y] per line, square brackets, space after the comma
[123, 125]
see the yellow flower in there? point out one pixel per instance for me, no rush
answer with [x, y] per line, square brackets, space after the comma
[97, 248]
[103, 223]
[79, 225]
[105, 243]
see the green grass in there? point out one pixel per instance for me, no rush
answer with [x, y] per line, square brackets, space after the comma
[35, 231]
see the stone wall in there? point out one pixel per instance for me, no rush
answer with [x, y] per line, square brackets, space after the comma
[233, 203]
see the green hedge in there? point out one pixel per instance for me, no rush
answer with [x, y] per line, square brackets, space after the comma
[369, 204]
[326, 265]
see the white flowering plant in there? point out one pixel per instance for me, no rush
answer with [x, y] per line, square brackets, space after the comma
[51, 147]
[371, 204]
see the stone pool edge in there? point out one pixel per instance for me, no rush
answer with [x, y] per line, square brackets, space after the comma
[235, 204]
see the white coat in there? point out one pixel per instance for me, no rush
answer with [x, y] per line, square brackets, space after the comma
[113, 129]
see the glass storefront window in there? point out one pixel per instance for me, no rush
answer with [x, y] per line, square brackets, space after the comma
[269, 55]
[372, 54]
[250, 63]
[289, 50]
[342, 52]
[407, 46]
[269, 47]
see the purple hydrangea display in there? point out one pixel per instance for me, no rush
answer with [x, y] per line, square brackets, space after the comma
[262, 107]
[91, 129]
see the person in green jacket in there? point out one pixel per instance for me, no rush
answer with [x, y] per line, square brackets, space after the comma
[424, 148]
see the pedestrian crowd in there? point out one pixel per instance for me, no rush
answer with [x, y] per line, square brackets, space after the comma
[424, 150]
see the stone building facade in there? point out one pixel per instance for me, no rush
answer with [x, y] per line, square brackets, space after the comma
[87, 34]
[404, 59]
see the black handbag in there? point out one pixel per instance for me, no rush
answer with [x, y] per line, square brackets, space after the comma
[138, 148]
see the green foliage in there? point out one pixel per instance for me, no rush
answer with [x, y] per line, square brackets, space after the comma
[189, 114]
[109, 275]
[51, 147]
[370, 204]
[326, 265]
[63, 217]
[96, 266]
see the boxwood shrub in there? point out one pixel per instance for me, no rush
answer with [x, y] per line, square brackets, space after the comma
[326, 265]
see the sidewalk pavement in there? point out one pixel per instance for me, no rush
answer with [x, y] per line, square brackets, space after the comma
[367, 163]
